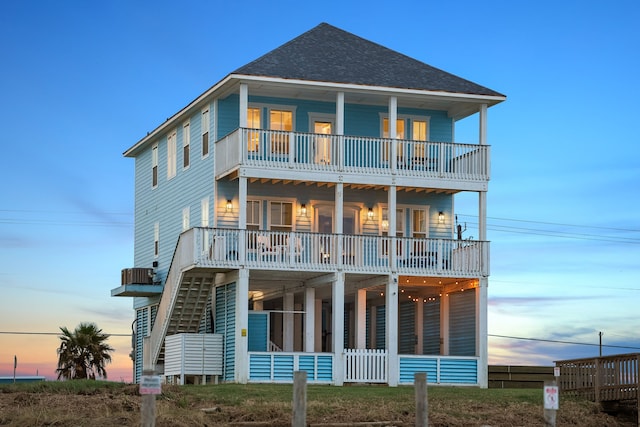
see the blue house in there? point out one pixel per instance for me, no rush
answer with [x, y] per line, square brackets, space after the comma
[300, 215]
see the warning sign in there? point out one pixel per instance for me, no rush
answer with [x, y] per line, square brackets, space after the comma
[151, 384]
[551, 397]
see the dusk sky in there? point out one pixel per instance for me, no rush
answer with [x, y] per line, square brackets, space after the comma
[83, 81]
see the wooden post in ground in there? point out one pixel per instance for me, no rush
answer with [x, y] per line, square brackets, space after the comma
[148, 409]
[422, 404]
[638, 387]
[299, 399]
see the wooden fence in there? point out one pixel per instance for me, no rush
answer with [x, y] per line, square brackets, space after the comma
[506, 376]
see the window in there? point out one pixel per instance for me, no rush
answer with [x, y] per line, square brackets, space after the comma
[253, 214]
[280, 120]
[281, 218]
[205, 132]
[419, 230]
[156, 239]
[399, 229]
[204, 212]
[154, 166]
[171, 155]
[186, 213]
[419, 133]
[186, 142]
[399, 135]
[253, 122]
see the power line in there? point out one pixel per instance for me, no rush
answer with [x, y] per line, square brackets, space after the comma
[562, 342]
[52, 333]
[555, 223]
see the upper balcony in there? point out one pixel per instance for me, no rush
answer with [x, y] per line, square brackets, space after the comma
[353, 159]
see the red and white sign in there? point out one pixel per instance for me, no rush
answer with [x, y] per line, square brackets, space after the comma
[151, 384]
[551, 397]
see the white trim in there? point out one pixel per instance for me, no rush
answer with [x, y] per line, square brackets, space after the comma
[186, 218]
[294, 204]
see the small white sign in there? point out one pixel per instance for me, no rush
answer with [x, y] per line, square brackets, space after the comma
[151, 384]
[551, 397]
[556, 371]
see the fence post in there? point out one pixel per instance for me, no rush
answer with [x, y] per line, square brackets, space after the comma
[422, 405]
[299, 399]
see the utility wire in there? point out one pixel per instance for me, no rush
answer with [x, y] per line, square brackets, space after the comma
[52, 333]
[562, 342]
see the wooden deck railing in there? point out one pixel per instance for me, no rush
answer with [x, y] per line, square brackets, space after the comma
[346, 154]
[600, 379]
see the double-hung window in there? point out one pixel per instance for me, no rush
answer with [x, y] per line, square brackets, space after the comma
[419, 230]
[171, 155]
[205, 132]
[281, 216]
[154, 166]
[253, 221]
[253, 122]
[280, 121]
[186, 143]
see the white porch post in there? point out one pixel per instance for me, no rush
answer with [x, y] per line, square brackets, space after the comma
[361, 318]
[338, 223]
[287, 321]
[244, 104]
[309, 319]
[242, 324]
[337, 333]
[393, 131]
[391, 232]
[242, 218]
[391, 330]
[483, 282]
[340, 126]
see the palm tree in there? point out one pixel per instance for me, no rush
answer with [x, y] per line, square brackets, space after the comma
[83, 353]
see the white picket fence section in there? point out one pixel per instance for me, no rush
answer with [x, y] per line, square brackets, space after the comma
[365, 366]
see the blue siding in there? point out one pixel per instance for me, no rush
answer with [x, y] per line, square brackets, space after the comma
[225, 324]
[458, 371]
[411, 365]
[260, 367]
[325, 368]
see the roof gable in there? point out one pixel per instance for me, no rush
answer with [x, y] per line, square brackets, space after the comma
[328, 54]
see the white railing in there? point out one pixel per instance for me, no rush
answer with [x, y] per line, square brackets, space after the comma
[365, 366]
[358, 253]
[351, 154]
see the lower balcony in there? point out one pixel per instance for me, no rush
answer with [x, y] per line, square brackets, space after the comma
[272, 250]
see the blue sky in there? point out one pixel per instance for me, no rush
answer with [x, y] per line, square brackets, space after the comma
[83, 81]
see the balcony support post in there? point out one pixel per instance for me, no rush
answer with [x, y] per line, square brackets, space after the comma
[391, 232]
[481, 333]
[338, 223]
[287, 321]
[244, 104]
[393, 132]
[242, 219]
[309, 319]
[337, 317]
[338, 154]
[391, 329]
[361, 318]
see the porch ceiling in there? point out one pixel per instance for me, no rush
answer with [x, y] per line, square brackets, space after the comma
[347, 185]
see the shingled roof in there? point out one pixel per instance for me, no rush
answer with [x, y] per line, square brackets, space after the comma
[328, 54]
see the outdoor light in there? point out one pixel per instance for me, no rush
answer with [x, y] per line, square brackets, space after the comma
[441, 217]
[303, 209]
[370, 213]
[229, 205]
[385, 225]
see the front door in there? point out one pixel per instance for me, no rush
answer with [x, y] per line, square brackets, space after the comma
[325, 225]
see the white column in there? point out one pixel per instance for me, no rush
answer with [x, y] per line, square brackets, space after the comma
[338, 223]
[309, 320]
[242, 326]
[242, 218]
[244, 104]
[339, 127]
[391, 232]
[393, 130]
[482, 137]
[337, 332]
[391, 330]
[361, 318]
[287, 322]
[482, 331]
[258, 305]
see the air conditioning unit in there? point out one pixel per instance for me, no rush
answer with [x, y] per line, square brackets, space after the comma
[137, 276]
